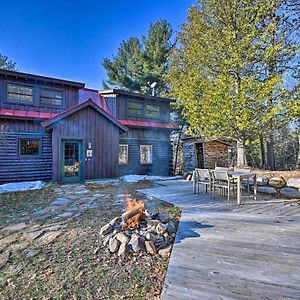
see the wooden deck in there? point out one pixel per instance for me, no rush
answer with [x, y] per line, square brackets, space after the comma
[227, 252]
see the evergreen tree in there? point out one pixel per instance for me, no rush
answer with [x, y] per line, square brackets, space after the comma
[7, 64]
[140, 62]
[217, 70]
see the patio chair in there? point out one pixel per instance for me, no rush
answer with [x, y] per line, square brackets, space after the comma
[222, 180]
[203, 176]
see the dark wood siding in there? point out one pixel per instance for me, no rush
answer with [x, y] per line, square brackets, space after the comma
[122, 101]
[16, 168]
[161, 147]
[71, 95]
[89, 126]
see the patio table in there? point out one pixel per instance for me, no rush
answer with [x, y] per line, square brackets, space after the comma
[239, 176]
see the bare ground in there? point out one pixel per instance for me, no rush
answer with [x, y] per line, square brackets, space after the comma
[74, 265]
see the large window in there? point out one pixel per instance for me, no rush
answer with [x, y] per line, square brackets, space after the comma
[135, 109]
[146, 154]
[29, 147]
[51, 97]
[123, 154]
[152, 111]
[19, 93]
[143, 110]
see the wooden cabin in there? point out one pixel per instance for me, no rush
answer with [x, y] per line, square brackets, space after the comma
[145, 148]
[54, 129]
[199, 153]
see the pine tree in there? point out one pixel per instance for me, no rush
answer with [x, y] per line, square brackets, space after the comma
[140, 62]
[7, 64]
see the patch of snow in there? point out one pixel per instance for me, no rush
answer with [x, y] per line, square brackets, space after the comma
[136, 178]
[21, 186]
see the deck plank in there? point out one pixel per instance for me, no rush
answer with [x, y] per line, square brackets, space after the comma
[225, 251]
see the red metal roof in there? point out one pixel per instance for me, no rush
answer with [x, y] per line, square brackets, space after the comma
[18, 113]
[148, 124]
[85, 94]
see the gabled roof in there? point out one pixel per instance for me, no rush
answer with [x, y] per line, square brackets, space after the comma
[133, 94]
[78, 107]
[41, 78]
[94, 95]
[25, 114]
[134, 123]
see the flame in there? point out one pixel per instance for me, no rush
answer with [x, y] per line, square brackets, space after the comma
[133, 204]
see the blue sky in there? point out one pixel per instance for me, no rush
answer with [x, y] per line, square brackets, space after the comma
[68, 39]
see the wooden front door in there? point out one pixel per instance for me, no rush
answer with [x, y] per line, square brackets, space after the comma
[72, 162]
[200, 155]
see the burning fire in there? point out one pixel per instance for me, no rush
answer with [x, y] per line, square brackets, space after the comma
[134, 213]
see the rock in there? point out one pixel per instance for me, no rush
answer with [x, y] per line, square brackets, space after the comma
[163, 217]
[48, 237]
[17, 246]
[290, 192]
[113, 245]
[30, 252]
[122, 250]
[277, 182]
[150, 237]
[106, 229]
[171, 228]
[161, 228]
[7, 241]
[159, 241]
[31, 236]
[262, 180]
[4, 257]
[106, 239]
[152, 223]
[165, 252]
[115, 221]
[60, 202]
[294, 182]
[14, 227]
[267, 190]
[65, 215]
[137, 243]
[150, 247]
[121, 237]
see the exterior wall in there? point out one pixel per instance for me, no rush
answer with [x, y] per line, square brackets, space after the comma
[215, 154]
[161, 147]
[16, 168]
[71, 95]
[121, 109]
[88, 126]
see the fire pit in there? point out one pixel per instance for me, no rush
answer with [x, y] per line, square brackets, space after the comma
[137, 231]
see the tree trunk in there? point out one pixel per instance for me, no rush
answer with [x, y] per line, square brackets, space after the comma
[298, 158]
[241, 153]
[270, 153]
[262, 151]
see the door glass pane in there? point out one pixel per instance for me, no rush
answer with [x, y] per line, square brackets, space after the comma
[71, 159]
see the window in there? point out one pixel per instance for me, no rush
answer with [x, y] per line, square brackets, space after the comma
[152, 111]
[51, 97]
[123, 154]
[135, 109]
[19, 93]
[146, 154]
[29, 147]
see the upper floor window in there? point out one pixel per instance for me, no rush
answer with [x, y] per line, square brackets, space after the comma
[51, 97]
[135, 109]
[152, 111]
[29, 147]
[19, 93]
[139, 109]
